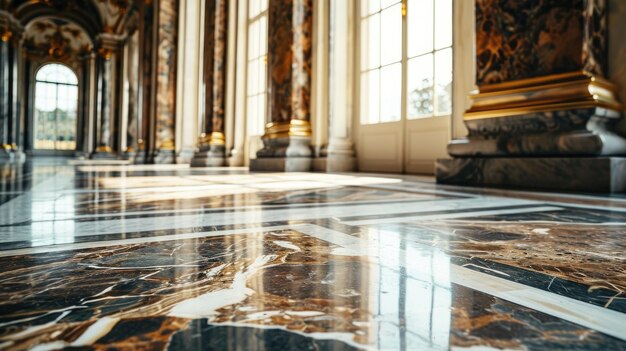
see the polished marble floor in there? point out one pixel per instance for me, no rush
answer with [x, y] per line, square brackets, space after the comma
[108, 257]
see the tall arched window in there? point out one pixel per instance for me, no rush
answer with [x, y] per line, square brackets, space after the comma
[56, 102]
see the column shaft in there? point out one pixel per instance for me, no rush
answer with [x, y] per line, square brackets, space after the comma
[211, 149]
[288, 135]
[165, 123]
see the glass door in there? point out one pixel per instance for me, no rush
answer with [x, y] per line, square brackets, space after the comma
[404, 83]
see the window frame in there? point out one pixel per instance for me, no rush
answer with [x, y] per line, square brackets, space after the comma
[262, 93]
[362, 119]
[56, 101]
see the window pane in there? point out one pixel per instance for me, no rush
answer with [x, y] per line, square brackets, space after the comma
[443, 23]
[391, 35]
[261, 101]
[253, 8]
[252, 78]
[262, 50]
[251, 115]
[370, 95]
[420, 87]
[390, 93]
[386, 3]
[420, 27]
[370, 42]
[369, 7]
[443, 81]
[261, 71]
[253, 40]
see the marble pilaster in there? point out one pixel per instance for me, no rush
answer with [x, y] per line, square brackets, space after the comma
[237, 154]
[11, 35]
[211, 145]
[542, 93]
[339, 153]
[165, 122]
[189, 69]
[107, 96]
[5, 100]
[131, 135]
[288, 135]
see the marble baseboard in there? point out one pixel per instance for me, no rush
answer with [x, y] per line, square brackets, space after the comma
[281, 164]
[588, 174]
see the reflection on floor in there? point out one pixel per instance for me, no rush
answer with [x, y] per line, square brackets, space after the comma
[168, 257]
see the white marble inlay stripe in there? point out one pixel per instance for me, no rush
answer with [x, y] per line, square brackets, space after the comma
[464, 214]
[62, 231]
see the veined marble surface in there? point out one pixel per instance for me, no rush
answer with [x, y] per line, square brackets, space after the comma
[169, 258]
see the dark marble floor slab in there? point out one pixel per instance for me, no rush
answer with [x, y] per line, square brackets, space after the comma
[100, 257]
[270, 290]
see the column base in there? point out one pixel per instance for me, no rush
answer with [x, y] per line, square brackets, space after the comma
[281, 164]
[102, 155]
[585, 174]
[128, 155]
[213, 157]
[140, 157]
[164, 157]
[11, 156]
[334, 164]
[185, 156]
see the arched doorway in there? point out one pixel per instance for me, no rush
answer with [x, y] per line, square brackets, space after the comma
[56, 104]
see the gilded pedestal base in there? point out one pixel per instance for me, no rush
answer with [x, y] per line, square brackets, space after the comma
[286, 148]
[103, 153]
[587, 174]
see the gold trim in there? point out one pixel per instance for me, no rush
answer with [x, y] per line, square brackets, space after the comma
[217, 138]
[7, 147]
[104, 149]
[168, 145]
[204, 139]
[295, 127]
[549, 93]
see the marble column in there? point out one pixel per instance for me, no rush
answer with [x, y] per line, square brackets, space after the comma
[288, 134]
[132, 95]
[147, 81]
[5, 98]
[165, 108]
[237, 154]
[544, 115]
[107, 96]
[11, 35]
[211, 145]
[189, 72]
[339, 154]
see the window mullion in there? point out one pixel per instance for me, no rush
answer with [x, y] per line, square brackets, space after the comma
[435, 99]
[404, 63]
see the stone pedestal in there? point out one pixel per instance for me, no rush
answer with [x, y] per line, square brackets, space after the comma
[287, 138]
[586, 174]
[544, 116]
[284, 154]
